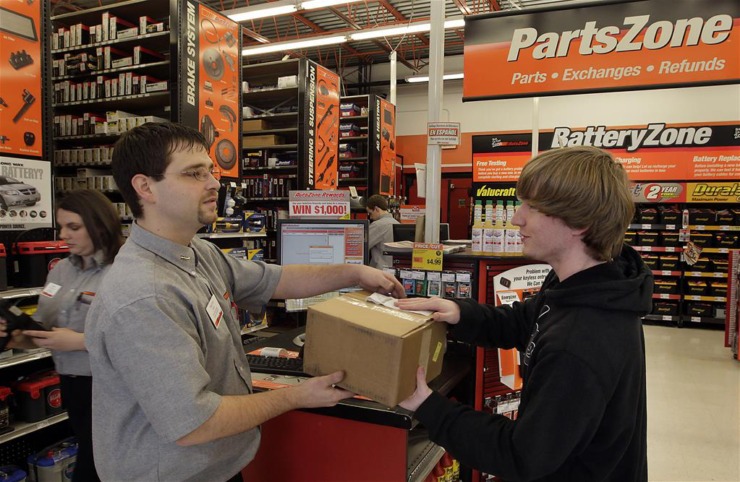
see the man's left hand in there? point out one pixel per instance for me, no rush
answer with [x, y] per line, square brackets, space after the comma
[421, 393]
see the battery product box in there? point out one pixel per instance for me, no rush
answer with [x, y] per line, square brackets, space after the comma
[377, 345]
[12, 473]
[35, 259]
[55, 463]
[39, 397]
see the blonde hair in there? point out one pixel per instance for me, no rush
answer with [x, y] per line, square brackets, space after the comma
[586, 188]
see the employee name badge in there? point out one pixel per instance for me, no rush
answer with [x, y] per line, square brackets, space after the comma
[215, 313]
[50, 290]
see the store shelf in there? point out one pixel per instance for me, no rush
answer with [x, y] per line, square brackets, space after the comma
[715, 250]
[273, 147]
[146, 40]
[701, 274]
[292, 130]
[353, 118]
[158, 69]
[231, 235]
[104, 138]
[657, 249]
[128, 10]
[353, 159]
[275, 117]
[658, 272]
[137, 102]
[699, 319]
[665, 296]
[662, 318]
[352, 138]
[20, 293]
[711, 299]
[665, 227]
[269, 98]
[22, 357]
[701, 227]
[266, 168]
[23, 428]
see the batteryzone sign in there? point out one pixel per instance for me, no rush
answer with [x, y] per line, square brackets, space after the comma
[659, 151]
[602, 47]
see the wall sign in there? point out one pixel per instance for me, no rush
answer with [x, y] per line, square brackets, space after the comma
[319, 204]
[601, 46]
[25, 194]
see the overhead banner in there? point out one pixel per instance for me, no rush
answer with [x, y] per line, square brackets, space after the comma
[660, 151]
[25, 194]
[21, 124]
[600, 47]
[210, 74]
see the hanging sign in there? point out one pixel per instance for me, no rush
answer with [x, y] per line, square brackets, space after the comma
[658, 192]
[600, 47]
[319, 204]
[443, 133]
[500, 157]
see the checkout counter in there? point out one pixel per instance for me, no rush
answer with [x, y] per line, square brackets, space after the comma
[357, 440]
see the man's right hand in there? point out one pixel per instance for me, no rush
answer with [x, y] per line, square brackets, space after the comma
[321, 391]
[444, 310]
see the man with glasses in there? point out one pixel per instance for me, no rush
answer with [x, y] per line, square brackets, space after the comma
[172, 392]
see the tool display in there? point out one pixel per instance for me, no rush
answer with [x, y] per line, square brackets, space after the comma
[28, 100]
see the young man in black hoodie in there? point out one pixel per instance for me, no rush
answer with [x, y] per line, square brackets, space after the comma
[583, 414]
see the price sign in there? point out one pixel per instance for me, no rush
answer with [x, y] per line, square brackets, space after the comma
[427, 256]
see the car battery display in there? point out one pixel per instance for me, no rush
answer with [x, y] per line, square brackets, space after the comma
[34, 260]
[39, 397]
[54, 463]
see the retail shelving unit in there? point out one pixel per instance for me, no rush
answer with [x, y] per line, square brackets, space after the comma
[102, 76]
[290, 136]
[686, 293]
[367, 150]
[20, 441]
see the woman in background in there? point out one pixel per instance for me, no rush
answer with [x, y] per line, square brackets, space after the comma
[90, 225]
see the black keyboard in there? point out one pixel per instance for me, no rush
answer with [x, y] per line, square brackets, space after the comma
[277, 365]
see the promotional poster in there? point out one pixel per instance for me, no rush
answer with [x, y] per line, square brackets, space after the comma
[25, 194]
[20, 76]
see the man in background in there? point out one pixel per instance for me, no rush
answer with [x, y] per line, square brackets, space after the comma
[381, 230]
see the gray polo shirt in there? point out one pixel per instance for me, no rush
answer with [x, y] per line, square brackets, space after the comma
[161, 362]
[65, 301]
[381, 232]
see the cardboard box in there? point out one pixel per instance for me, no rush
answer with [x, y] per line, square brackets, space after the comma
[253, 125]
[259, 141]
[378, 348]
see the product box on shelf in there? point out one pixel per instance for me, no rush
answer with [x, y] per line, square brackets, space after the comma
[702, 264]
[717, 288]
[54, 463]
[727, 240]
[665, 308]
[725, 217]
[720, 265]
[703, 240]
[263, 140]
[630, 237]
[12, 473]
[699, 309]
[668, 263]
[251, 125]
[647, 216]
[647, 238]
[348, 109]
[670, 239]
[701, 217]
[349, 130]
[650, 261]
[696, 288]
[665, 286]
[379, 347]
[36, 259]
[5, 394]
[39, 397]
[670, 216]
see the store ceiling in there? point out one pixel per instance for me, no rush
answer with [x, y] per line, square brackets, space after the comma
[352, 59]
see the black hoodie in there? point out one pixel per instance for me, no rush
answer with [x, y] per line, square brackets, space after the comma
[583, 414]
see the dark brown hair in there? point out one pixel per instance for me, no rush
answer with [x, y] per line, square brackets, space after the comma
[376, 200]
[100, 218]
[146, 150]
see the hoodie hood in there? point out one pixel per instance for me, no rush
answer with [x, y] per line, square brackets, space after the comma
[623, 284]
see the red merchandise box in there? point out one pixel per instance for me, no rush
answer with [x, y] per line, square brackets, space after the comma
[39, 397]
[36, 259]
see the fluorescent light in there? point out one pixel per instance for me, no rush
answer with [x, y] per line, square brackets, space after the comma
[311, 4]
[262, 10]
[425, 78]
[406, 29]
[296, 45]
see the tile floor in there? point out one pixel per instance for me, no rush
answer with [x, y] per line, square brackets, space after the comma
[693, 406]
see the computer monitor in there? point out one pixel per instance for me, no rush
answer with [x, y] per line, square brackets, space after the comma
[406, 232]
[322, 241]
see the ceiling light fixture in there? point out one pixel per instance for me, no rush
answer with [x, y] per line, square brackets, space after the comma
[312, 4]
[425, 78]
[262, 10]
[296, 45]
[404, 30]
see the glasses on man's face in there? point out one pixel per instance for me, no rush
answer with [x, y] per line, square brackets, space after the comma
[202, 174]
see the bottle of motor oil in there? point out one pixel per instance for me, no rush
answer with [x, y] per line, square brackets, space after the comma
[511, 231]
[488, 228]
[477, 234]
[498, 229]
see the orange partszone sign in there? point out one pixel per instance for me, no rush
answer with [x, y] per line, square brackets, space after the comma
[617, 46]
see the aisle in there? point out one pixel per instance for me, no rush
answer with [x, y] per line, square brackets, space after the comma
[693, 406]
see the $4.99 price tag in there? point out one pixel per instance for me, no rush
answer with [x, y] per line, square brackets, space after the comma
[427, 257]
